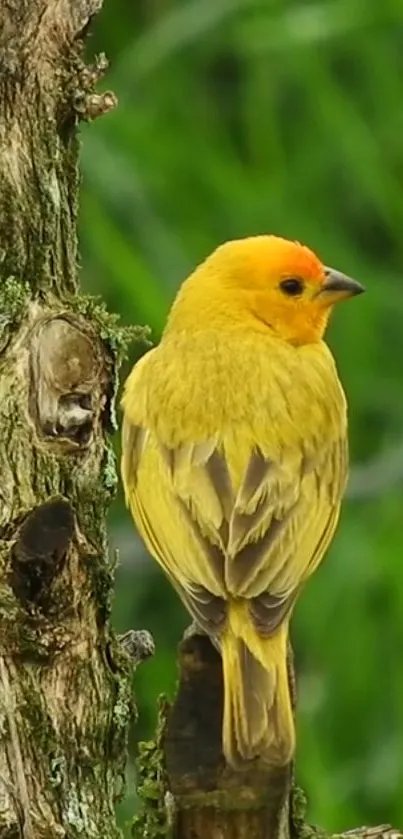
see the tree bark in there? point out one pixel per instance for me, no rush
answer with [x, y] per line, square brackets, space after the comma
[211, 799]
[186, 789]
[65, 698]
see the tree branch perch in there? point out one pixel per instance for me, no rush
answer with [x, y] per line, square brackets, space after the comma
[186, 789]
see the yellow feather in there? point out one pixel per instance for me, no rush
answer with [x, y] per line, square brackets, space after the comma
[234, 464]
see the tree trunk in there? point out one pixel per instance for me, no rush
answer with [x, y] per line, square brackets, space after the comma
[65, 698]
[211, 799]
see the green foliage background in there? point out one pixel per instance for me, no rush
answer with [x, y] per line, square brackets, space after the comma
[239, 117]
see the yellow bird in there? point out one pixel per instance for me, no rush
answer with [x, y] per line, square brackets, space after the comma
[235, 462]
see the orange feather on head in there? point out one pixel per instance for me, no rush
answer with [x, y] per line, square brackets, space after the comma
[261, 257]
[260, 282]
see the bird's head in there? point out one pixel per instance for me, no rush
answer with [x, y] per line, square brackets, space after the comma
[273, 282]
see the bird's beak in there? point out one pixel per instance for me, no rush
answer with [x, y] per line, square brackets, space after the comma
[338, 286]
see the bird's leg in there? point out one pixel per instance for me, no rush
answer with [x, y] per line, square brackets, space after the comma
[196, 629]
[193, 629]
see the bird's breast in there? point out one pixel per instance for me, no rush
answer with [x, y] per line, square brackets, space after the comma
[244, 389]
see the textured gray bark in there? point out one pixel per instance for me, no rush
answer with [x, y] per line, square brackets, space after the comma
[65, 699]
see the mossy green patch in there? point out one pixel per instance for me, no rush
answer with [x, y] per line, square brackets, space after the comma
[14, 296]
[117, 337]
[155, 817]
[109, 472]
[36, 716]
[300, 829]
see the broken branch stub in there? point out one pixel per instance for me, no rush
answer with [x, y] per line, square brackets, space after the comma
[211, 799]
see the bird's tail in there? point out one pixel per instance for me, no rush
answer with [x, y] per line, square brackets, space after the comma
[258, 719]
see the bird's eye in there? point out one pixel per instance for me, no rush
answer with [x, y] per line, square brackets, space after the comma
[292, 286]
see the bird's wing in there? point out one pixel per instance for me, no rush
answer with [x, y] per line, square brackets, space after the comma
[244, 512]
[164, 524]
[281, 526]
[259, 542]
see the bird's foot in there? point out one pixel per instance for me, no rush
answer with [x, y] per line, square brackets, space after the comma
[193, 629]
